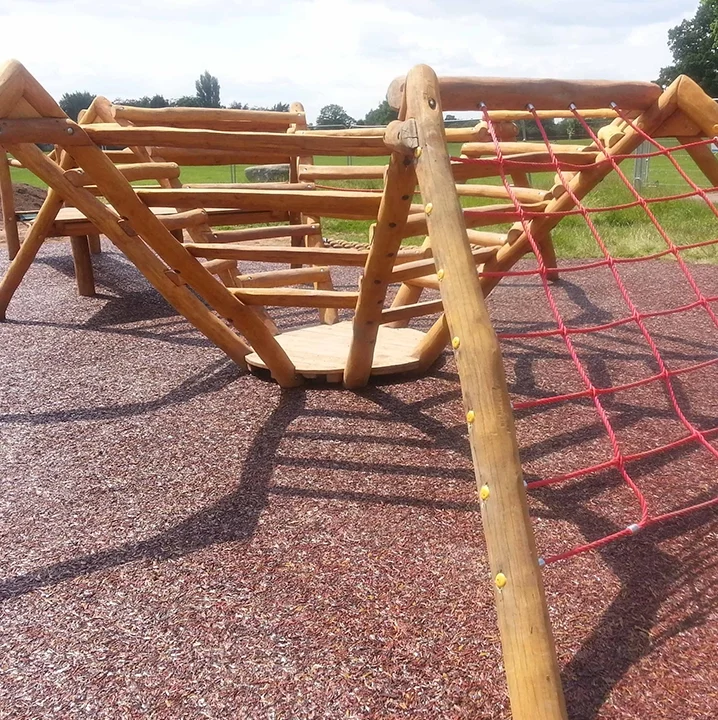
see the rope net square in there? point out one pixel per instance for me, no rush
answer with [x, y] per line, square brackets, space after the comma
[673, 430]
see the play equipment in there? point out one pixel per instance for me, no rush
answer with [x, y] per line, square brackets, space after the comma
[463, 263]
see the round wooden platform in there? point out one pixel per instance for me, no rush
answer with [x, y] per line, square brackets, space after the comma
[323, 349]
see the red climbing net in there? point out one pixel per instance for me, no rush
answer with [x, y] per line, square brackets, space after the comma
[621, 459]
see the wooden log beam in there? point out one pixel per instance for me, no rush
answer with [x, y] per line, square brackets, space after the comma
[342, 172]
[403, 313]
[522, 194]
[487, 239]
[198, 157]
[277, 254]
[277, 278]
[420, 268]
[7, 199]
[251, 186]
[95, 244]
[278, 144]
[388, 232]
[543, 157]
[479, 149]
[220, 266]
[296, 297]
[266, 233]
[474, 217]
[469, 93]
[83, 265]
[131, 172]
[201, 117]
[697, 106]
[704, 158]
[319, 202]
[529, 655]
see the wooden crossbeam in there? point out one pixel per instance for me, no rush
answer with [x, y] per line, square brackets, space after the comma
[296, 297]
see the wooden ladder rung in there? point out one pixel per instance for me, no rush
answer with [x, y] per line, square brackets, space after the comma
[406, 312]
[267, 233]
[296, 297]
[421, 268]
[278, 278]
[276, 254]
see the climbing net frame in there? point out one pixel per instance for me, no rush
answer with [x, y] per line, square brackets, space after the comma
[665, 375]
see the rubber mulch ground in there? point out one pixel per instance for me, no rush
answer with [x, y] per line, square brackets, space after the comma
[179, 539]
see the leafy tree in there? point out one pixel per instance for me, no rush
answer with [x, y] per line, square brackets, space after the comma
[186, 101]
[280, 107]
[450, 117]
[694, 44]
[238, 106]
[156, 101]
[381, 115]
[207, 87]
[572, 127]
[72, 103]
[334, 115]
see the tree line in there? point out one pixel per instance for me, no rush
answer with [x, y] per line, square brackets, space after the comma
[207, 95]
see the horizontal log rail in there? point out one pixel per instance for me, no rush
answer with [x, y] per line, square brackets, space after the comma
[310, 202]
[276, 278]
[296, 297]
[469, 93]
[266, 233]
[406, 312]
[168, 115]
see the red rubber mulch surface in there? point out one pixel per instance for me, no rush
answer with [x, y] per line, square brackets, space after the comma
[183, 540]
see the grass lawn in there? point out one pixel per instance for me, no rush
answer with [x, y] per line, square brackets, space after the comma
[627, 233]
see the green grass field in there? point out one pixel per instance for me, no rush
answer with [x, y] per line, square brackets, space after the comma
[627, 233]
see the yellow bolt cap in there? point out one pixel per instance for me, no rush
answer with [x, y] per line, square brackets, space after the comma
[440, 274]
[470, 416]
[501, 581]
[428, 208]
[484, 492]
[455, 342]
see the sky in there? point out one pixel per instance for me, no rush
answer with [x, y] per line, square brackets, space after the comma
[328, 51]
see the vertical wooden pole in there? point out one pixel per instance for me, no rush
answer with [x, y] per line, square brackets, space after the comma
[529, 654]
[327, 315]
[83, 265]
[393, 212]
[95, 244]
[7, 198]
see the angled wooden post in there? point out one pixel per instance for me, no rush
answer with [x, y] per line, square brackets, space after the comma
[529, 654]
[393, 212]
[7, 198]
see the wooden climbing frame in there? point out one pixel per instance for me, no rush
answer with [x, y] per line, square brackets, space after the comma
[421, 196]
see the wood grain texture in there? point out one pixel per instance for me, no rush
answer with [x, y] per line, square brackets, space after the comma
[529, 655]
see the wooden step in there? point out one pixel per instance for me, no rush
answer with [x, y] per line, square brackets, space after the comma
[278, 278]
[266, 233]
[296, 297]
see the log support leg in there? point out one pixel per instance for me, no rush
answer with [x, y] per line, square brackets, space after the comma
[83, 265]
[95, 244]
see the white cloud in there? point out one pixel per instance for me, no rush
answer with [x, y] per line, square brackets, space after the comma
[328, 51]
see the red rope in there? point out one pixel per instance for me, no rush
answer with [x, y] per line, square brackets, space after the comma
[619, 460]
